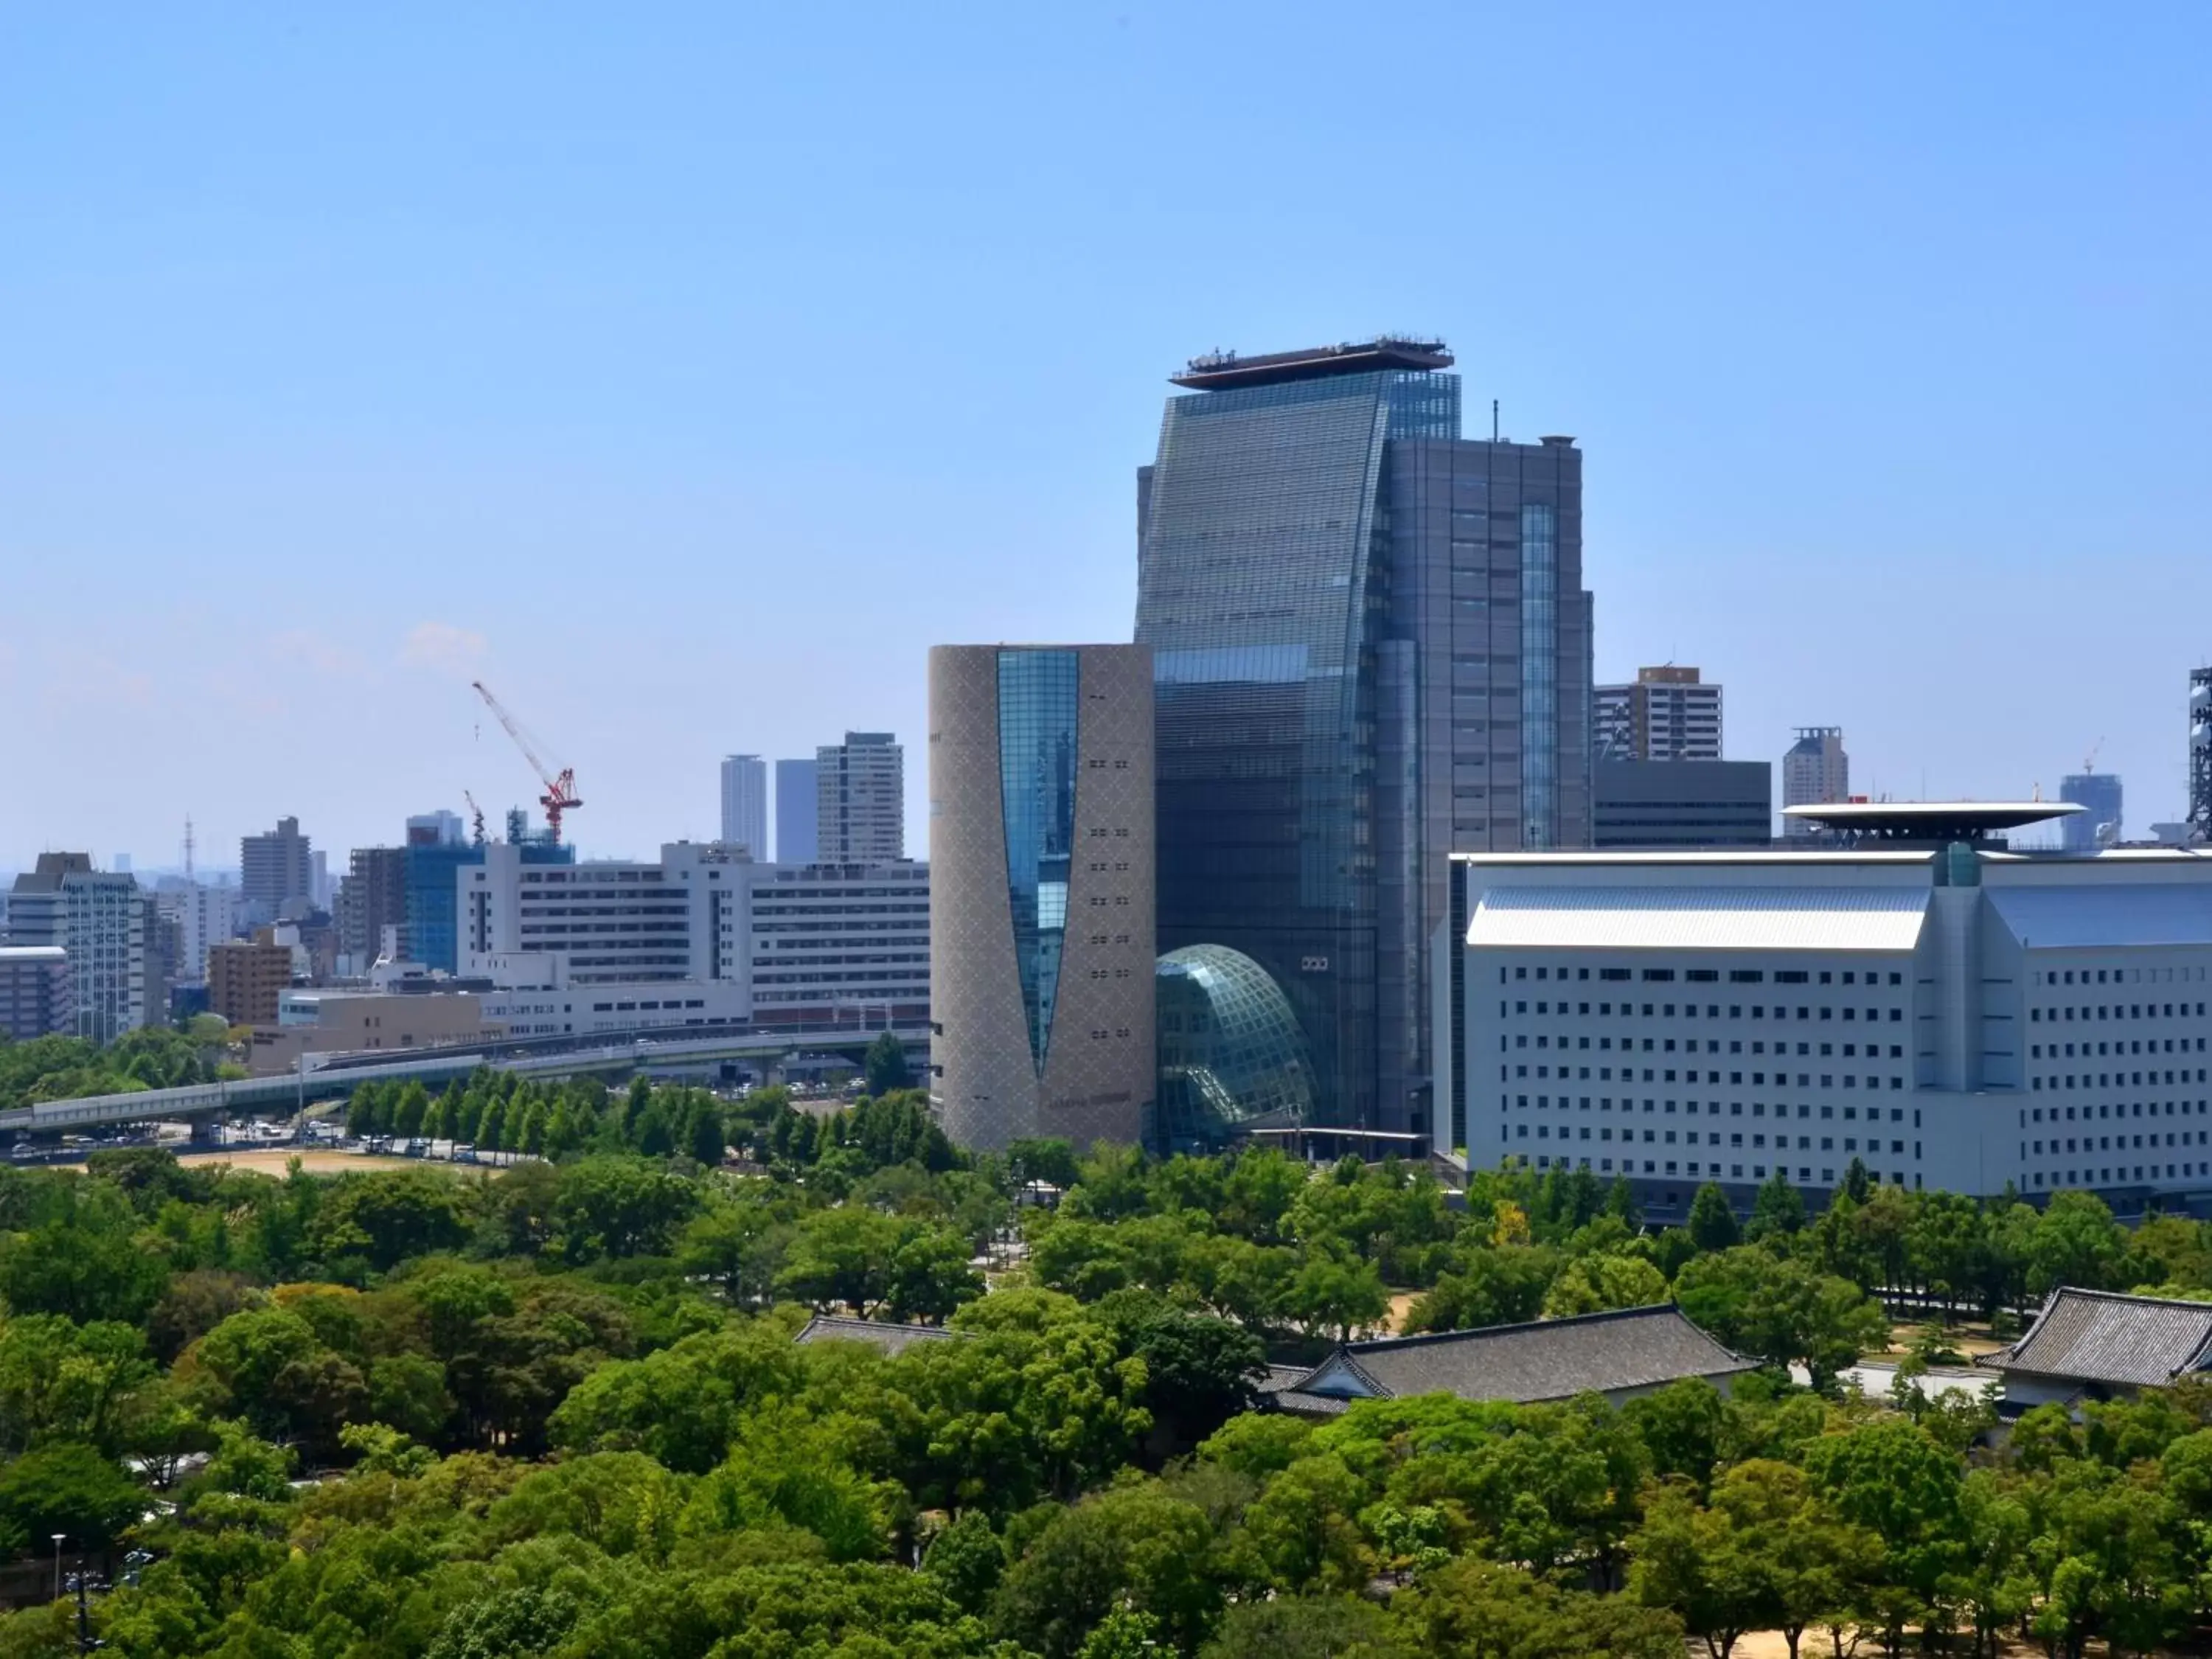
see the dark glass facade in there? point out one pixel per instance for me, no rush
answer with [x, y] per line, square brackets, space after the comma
[1037, 712]
[1370, 648]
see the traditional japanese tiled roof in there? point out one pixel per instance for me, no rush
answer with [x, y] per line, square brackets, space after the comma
[876, 1333]
[2099, 1336]
[1548, 1359]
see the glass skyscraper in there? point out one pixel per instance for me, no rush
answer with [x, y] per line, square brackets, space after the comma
[1371, 648]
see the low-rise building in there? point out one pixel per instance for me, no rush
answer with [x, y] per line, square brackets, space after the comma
[1619, 1354]
[2096, 1344]
[430, 1014]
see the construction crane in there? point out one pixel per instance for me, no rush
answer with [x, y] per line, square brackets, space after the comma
[475, 815]
[2089, 760]
[560, 795]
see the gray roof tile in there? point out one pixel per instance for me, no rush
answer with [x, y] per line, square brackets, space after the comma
[1549, 1359]
[893, 1339]
[2098, 1336]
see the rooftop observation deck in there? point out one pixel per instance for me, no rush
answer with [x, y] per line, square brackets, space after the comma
[1222, 371]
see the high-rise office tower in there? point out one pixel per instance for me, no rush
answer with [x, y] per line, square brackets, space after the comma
[1040, 993]
[797, 812]
[275, 870]
[2084, 832]
[98, 918]
[860, 795]
[744, 804]
[1815, 770]
[1667, 713]
[1372, 647]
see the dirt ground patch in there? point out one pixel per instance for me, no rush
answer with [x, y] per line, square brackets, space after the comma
[275, 1160]
[1973, 1340]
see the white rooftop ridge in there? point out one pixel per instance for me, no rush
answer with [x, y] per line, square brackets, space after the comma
[1745, 918]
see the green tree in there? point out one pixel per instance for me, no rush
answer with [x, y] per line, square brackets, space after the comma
[391, 1215]
[883, 1069]
[1889, 1479]
[1780, 1309]
[841, 1256]
[1593, 1283]
[1502, 1285]
[1496, 1612]
[1711, 1223]
[738, 1246]
[60, 1380]
[703, 1135]
[1336, 1293]
[1778, 1210]
[510, 1624]
[1302, 1627]
[967, 1559]
[614, 1206]
[2077, 1242]
[67, 1488]
[1135, 1548]
[85, 1272]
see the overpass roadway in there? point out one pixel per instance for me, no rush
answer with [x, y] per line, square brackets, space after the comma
[340, 1075]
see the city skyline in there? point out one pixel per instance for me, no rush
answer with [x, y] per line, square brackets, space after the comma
[450, 372]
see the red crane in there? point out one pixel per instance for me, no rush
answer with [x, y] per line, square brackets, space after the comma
[560, 795]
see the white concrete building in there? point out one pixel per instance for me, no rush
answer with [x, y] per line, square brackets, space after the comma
[744, 804]
[859, 793]
[1950, 1014]
[705, 936]
[98, 917]
[205, 916]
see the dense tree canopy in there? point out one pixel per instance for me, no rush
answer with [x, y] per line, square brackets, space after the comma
[554, 1405]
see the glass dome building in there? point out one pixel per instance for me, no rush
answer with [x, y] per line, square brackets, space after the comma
[1232, 1058]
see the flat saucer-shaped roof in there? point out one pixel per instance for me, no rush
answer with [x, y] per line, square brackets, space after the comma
[1931, 820]
[1225, 370]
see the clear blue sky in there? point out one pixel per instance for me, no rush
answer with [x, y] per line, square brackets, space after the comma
[687, 371]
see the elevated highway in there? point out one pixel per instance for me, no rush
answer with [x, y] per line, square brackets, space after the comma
[338, 1075]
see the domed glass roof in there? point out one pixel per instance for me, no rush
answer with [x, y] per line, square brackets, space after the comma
[1231, 1057]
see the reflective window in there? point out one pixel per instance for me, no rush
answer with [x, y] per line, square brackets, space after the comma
[1037, 704]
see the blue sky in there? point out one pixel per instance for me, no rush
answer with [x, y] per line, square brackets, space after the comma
[687, 371]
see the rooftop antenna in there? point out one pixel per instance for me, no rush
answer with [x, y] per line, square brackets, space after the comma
[188, 849]
[1493, 420]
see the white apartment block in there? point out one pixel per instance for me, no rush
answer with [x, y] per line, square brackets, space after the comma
[705, 936]
[1666, 714]
[205, 916]
[859, 792]
[1953, 1018]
